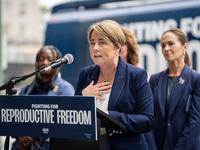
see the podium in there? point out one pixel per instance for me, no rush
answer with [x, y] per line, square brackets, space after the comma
[103, 120]
[71, 122]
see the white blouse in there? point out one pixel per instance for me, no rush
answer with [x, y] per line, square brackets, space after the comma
[103, 103]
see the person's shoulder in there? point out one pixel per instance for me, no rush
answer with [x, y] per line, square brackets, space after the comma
[22, 91]
[65, 88]
[156, 76]
[91, 67]
[63, 81]
[25, 88]
[195, 74]
[137, 71]
[134, 68]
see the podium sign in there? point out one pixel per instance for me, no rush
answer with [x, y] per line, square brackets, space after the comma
[72, 117]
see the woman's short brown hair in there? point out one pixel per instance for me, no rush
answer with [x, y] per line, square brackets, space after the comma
[109, 30]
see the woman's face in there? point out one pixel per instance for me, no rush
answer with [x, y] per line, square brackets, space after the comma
[45, 59]
[172, 48]
[101, 51]
[124, 52]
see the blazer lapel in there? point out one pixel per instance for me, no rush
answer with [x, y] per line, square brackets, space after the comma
[94, 77]
[118, 84]
[56, 83]
[179, 88]
[162, 91]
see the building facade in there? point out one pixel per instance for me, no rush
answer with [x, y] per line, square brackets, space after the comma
[22, 34]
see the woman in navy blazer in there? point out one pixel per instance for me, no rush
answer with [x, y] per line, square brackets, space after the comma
[121, 89]
[176, 93]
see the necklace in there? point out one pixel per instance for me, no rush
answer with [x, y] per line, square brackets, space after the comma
[109, 79]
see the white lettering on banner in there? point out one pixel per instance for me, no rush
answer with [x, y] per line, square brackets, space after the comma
[81, 117]
[3, 116]
[27, 115]
[74, 117]
[150, 31]
[148, 51]
[194, 47]
[155, 61]
[44, 106]
[185, 25]
[190, 25]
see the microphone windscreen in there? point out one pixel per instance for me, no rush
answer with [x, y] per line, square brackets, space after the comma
[70, 58]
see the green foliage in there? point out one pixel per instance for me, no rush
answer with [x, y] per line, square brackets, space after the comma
[45, 9]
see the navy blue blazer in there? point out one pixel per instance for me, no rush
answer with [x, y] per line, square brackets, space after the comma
[131, 103]
[183, 122]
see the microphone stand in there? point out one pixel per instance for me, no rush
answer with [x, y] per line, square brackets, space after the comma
[9, 87]
[11, 90]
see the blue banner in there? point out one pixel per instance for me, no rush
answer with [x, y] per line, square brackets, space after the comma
[72, 117]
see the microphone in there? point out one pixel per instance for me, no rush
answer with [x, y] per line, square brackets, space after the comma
[67, 59]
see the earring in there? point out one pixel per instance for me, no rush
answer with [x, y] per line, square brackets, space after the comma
[183, 53]
[116, 54]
